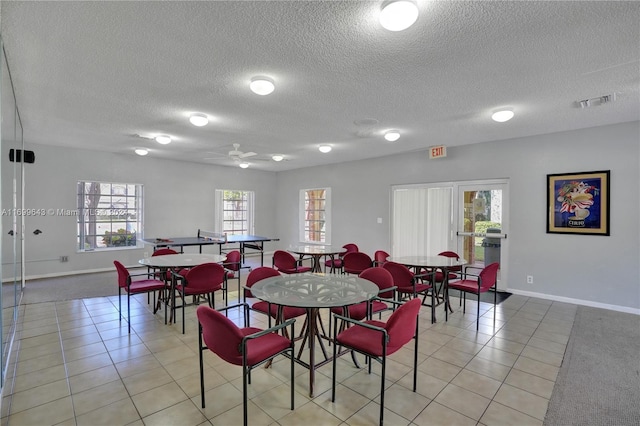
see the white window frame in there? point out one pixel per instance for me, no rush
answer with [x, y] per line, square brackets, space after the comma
[88, 214]
[303, 217]
[219, 212]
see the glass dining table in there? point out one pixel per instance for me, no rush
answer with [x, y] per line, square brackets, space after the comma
[444, 263]
[314, 292]
[316, 253]
[175, 262]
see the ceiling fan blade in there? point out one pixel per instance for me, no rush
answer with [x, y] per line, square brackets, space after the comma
[247, 154]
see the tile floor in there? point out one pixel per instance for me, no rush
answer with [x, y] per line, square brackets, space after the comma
[77, 365]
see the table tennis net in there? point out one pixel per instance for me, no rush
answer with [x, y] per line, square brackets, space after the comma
[212, 236]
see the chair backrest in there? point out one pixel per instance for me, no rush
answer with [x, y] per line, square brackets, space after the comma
[123, 274]
[220, 334]
[402, 276]
[489, 276]
[401, 325]
[232, 262]
[356, 262]
[164, 251]
[380, 257]
[380, 277]
[284, 260]
[451, 254]
[259, 274]
[207, 277]
[351, 248]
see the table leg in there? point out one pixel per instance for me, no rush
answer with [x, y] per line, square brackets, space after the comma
[313, 316]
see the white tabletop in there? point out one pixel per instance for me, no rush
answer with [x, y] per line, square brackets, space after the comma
[317, 250]
[428, 261]
[314, 290]
[181, 260]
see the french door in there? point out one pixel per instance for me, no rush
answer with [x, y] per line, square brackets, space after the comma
[482, 224]
[470, 218]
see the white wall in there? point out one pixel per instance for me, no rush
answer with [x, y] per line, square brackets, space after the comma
[178, 199]
[601, 270]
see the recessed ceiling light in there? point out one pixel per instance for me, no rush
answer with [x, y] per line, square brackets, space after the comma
[502, 115]
[244, 165]
[392, 135]
[163, 139]
[398, 15]
[324, 148]
[198, 119]
[277, 157]
[141, 151]
[262, 86]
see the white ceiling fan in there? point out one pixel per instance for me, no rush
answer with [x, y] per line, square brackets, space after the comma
[236, 153]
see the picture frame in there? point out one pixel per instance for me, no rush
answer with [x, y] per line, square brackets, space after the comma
[578, 203]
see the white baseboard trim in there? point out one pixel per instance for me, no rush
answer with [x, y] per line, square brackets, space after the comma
[576, 301]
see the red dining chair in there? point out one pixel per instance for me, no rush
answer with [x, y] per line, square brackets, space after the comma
[411, 285]
[202, 280]
[284, 262]
[233, 267]
[130, 285]
[336, 264]
[380, 257]
[159, 273]
[356, 262]
[453, 271]
[248, 347]
[384, 280]
[477, 284]
[259, 274]
[376, 340]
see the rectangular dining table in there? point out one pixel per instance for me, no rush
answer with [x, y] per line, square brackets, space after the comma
[313, 292]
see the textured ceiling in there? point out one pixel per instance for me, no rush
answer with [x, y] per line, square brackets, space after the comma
[93, 74]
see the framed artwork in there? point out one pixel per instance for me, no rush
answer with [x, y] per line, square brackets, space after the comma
[578, 203]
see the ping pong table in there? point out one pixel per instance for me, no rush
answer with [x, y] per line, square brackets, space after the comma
[245, 242]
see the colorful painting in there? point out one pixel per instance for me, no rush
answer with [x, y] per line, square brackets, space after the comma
[578, 203]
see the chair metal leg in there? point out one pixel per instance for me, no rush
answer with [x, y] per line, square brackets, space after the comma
[478, 317]
[201, 364]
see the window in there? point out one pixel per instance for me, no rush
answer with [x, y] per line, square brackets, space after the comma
[109, 215]
[234, 212]
[315, 212]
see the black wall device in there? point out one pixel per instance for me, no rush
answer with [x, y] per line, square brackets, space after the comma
[19, 156]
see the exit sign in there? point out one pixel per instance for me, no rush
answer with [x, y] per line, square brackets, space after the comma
[437, 151]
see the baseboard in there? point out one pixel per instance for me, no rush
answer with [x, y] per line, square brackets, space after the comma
[576, 301]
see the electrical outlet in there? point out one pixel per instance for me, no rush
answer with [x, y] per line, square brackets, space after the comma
[64, 258]
[529, 279]
[146, 254]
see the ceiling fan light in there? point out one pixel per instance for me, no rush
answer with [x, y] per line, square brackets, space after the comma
[277, 157]
[198, 119]
[244, 165]
[325, 148]
[262, 86]
[392, 135]
[163, 139]
[141, 151]
[502, 115]
[398, 15]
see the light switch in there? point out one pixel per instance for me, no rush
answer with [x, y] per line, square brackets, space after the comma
[379, 220]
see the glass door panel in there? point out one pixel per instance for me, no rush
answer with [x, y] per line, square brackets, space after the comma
[483, 224]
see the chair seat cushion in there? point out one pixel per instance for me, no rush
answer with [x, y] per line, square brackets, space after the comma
[365, 339]
[288, 312]
[336, 263]
[359, 311]
[419, 288]
[299, 270]
[144, 286]
[263, 347]
[470, 286]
